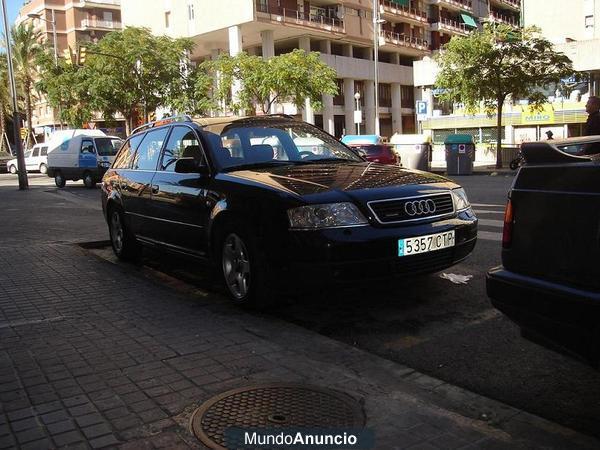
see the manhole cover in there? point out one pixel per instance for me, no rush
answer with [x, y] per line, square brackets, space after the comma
[274, 406]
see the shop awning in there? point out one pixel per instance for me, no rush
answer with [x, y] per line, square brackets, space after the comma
[468, 20]
[401, 2]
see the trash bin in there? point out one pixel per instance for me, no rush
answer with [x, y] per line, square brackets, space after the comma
[414, 150]
[460, 154]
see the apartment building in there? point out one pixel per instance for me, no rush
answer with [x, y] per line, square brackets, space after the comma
[76, 22]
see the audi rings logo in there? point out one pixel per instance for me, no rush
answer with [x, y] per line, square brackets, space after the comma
[419, 208]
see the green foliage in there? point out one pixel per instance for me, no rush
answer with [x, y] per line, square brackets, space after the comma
[26, 49]
[496, 63]
[292, 77]
[65, 86]
[132, 69]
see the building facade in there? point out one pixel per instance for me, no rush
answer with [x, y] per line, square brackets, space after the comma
[77, 22]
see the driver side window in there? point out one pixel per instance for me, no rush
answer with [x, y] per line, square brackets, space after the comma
[182, 143]
[87, 147]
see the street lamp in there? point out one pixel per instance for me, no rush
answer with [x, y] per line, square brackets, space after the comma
[23, 183]
[357, 113]
[55, 45]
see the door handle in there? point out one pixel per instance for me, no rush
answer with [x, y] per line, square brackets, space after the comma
[155, 189]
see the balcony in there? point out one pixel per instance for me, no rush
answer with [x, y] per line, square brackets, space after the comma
[464, 5]
[449, 25]
[98, 4]
[513, 4]
[101, 24]
[404, 41]
[413, 14]
[502, 18]
[293, 17]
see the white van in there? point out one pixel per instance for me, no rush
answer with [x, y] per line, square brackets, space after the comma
[80, 155]
[36, 159]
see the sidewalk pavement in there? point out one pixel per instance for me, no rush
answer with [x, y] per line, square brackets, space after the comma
[95, 354]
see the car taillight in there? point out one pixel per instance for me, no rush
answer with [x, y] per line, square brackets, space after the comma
[508, 225]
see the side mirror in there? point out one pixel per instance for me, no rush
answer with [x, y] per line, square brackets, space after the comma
[189, 165]
[359, 151]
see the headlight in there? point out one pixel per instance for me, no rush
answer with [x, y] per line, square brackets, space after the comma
[326, 216]
[460, 199]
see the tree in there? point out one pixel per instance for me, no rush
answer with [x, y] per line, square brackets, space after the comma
[5, 99]
[67, 86]
[26, 49]
[131, 69]
[292, 77]
[496, 63]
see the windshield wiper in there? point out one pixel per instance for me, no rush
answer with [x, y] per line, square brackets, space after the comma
[319, 160]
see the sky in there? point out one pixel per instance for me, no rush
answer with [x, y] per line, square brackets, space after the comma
[12, 8]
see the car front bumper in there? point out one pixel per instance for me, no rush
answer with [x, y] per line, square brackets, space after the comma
[362, 254]
[554, 315]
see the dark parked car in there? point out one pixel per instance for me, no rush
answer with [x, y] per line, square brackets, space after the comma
[549, 282]
[271, 216]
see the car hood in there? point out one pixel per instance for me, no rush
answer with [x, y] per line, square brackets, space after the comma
[327, 181]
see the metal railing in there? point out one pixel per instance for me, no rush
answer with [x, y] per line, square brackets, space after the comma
[466, 4]
[453, 25]
[300, 18]
[504, 19]
[513, 3]
[87, 23]
[106, 2]
[395, 8]
[406, 41]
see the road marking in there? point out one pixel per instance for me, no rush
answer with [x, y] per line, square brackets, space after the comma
[491, 223]
[487, 205]
[486, 211]
[489, 236]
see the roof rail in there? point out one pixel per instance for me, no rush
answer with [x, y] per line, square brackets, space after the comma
[164, 121]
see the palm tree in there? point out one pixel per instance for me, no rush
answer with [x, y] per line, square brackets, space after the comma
[4, 99]
[26, 49]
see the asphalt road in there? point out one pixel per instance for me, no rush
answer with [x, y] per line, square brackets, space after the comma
[443, 329]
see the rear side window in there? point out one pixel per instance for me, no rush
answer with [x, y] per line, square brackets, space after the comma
[125, 156]
[44, 151]
[36, 152]
[148, 152]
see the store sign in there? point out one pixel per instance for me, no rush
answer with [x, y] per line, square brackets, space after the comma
[544, 115]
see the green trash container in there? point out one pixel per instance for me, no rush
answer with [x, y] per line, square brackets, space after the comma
[460, 154]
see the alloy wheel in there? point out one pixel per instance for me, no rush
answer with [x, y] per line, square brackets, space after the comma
[116, 232]
[236, 266]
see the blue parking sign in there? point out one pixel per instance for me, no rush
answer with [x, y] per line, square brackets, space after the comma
[421, 107]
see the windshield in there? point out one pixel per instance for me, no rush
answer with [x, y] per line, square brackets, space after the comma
[266, 143]
[108, 146]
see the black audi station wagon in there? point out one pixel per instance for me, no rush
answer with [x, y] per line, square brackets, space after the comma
[276, 203]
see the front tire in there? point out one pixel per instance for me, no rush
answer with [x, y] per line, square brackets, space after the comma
[244, 271]
[88, 180]
[124, 244]
[43, 169]
[12, 169]
[59, 179]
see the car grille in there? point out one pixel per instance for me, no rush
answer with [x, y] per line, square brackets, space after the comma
[394, 211]
[424, 263]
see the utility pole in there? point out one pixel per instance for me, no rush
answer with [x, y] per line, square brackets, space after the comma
[376, 23]
[23, 182]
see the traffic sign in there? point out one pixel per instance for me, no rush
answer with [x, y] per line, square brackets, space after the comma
[421, 108]
[23, 133]
[357, 116]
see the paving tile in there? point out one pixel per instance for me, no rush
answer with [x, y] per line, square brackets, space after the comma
[104, 441]
[60, 427]
[89, 419]
[95, 431]
[68, 438]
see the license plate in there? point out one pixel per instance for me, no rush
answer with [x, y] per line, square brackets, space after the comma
[424, 244]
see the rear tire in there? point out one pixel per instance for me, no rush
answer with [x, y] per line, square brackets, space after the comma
[124, 244]
[88, 180]
[59, 179]
[243, 270]
[43, 169]
[12, 169]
